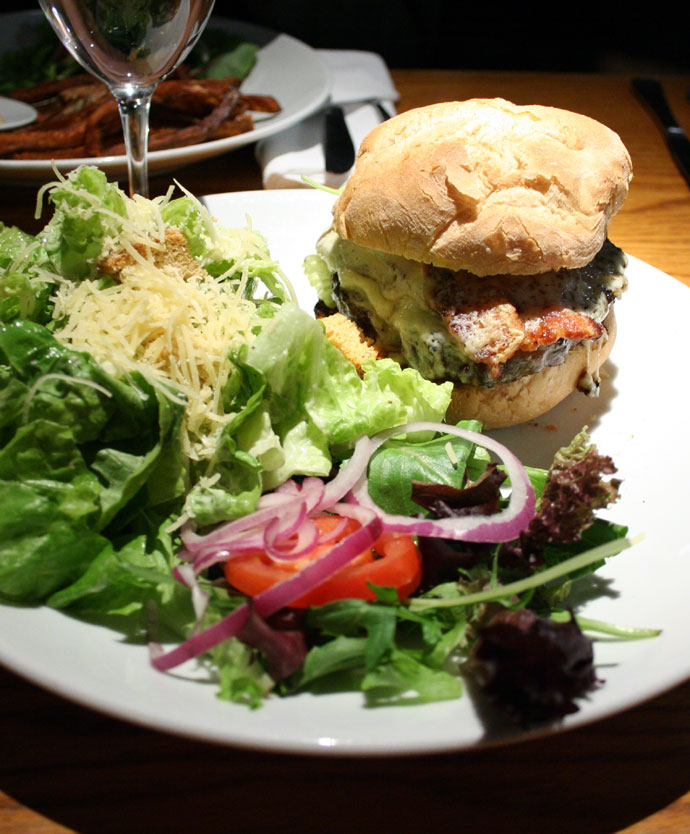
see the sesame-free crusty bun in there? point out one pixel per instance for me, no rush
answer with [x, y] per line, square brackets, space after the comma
[511, 403]
[486, 186]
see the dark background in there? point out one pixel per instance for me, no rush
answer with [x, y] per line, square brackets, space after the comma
[609, 36]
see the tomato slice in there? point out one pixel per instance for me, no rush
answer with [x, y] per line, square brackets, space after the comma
[394, 561]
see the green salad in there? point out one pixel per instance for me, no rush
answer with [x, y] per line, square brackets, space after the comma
[173, 427]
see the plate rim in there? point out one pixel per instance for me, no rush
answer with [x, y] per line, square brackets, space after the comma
[20, 113]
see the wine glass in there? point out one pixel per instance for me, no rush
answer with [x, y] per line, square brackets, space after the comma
[130, 45]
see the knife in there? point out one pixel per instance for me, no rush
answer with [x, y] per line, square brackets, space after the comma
[338, 147]
[652, 93]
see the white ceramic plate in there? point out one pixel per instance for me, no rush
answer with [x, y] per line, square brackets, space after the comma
[638, 419]
[15, 113]
[286, 68]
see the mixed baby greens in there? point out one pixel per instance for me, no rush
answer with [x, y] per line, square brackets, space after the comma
[96, 485]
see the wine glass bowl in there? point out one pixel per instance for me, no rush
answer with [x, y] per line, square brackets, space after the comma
[130, 45]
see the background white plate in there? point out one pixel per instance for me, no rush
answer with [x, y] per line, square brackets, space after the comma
[286, 69]
[638, 419]
[15, 113]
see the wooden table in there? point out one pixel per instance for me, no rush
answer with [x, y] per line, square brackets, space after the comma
[64, 767]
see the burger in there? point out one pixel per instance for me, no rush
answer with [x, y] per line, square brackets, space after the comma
[470, 243]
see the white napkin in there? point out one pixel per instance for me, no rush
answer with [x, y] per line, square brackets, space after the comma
[360, 80]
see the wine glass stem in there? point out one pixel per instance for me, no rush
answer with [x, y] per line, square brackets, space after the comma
[134, 110]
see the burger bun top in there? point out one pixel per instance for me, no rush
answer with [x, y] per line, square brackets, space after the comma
[486, 186]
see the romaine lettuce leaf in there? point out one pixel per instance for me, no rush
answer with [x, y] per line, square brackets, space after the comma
[310, 378]
[87, 209]
[81, 452]
[12, 242]
[42, 547]
[213, 251]
[23, 294]
[118, 584]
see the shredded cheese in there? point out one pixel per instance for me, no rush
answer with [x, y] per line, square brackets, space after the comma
[164, 316]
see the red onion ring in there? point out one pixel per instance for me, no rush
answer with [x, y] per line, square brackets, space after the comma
[307, 538]
[500, 527]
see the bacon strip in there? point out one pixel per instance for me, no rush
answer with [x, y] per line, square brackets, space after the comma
[494, 332]
[548, 326]
[491, 333]
[495, 317]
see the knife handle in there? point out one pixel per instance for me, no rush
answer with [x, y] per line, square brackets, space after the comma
[651, 92]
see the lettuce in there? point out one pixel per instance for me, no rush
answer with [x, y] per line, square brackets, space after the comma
[23, 295]
[12, 242]
[299, 406]
[82, 456]
[42, 548]
[125, 578]
[187, 214]
[74, 237]
[308, 376]
[93, 479]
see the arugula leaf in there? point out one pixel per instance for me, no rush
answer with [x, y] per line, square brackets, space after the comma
[341, 654]
[351, 617]
[404, 680]
[400, 660]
